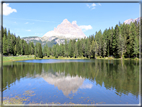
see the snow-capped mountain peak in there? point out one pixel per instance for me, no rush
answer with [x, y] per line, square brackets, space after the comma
[65, 30]
[132, 20]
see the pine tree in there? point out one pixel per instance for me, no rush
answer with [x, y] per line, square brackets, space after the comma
[124, 36]
[15, 50]
[104, 48]
[32, 48]
[36, 50]
[76, 50]
[48, 52]
[115, 40]
[40, 51]
[57, 51]
[62, 50]
[70, 48]
[132, 35]
[66, 48]
[128, 46]
[87, 48]
[26, 50]
[54, 50]
[99, 42]
[4, 45]
[96, 48]
[79, 48]
[136, 46]
[93, 48]
[18, 45]
[121, 44]
[9, 41]
[109, 38]
[45, 50]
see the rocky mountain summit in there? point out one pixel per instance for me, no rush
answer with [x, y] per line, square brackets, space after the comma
[65, 30]
[132, 20]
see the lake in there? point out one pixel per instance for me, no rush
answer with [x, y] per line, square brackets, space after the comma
[53, 81]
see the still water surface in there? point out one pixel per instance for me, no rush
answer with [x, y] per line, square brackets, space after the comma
[49, 81]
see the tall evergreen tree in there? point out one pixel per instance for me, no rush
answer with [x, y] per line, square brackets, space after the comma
[132, 35]
[121, 44]
[18, 45]
[9, 41]
[96, 48]
[4, 45]
[66, 48]
[136, 46]
[40, 55]
[93, 48]
[48, 51]
[76, 50]
[104, 48]
[115, 40]
[45, 50]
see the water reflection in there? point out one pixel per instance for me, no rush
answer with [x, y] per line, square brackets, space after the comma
[123, 77]
[66, 83]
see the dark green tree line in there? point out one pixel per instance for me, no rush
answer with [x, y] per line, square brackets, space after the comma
[120, 41]
[13, 45]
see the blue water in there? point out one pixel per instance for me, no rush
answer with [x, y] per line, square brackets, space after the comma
[56, 60]
[72, 81]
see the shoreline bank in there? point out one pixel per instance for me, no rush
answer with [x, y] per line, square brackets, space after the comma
[31, 57]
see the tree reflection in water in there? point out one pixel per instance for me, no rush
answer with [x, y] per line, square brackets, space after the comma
[123, 76]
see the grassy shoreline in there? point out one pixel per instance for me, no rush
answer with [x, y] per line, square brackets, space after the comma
[31, 57]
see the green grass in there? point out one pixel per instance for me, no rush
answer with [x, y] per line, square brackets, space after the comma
[9, 59]
[112, 58]
[17, 58]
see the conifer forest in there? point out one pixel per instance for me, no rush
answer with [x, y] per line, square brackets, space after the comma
[120, 41]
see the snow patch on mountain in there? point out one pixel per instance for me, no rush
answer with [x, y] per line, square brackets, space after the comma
[65, 30]
[132, 20]
[28, 39]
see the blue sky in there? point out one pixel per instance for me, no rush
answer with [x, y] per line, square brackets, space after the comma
[36, 19]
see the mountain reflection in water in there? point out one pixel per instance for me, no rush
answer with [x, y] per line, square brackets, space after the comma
[120, 76]
[64, 83]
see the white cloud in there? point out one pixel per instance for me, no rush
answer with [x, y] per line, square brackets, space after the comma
[88, 5]
[86, 27]
[99, 4]
[29, 23]
[7, 10]
[26, 22]
[92, 6]
[28, 30]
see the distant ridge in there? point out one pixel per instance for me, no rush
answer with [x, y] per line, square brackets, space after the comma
[65, 30]
[132, 20]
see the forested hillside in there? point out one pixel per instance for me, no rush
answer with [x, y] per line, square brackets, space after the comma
[120, 41]
[13, 45]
